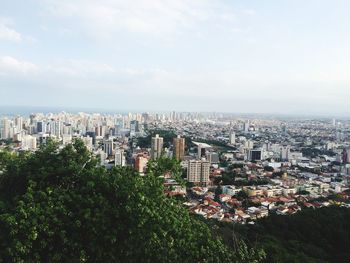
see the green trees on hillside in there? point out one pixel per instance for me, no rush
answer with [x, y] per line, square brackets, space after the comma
[60, 206]
[312, 235]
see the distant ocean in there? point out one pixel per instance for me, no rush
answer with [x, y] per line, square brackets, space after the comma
[11, 111]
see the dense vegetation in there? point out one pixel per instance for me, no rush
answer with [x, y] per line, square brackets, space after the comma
[312, 235]
[314, 152]
[60, 206]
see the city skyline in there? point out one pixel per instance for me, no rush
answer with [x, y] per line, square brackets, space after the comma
[287, 57]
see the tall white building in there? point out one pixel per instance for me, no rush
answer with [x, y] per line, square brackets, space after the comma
[5, 129]
[19, 123]
[88, 142]
[108, 146]
[249, 144]
[156, 147]
[285, 152]
[28, 142]
[119, 158]
[198, 172]
[232, 138]
[56, 129]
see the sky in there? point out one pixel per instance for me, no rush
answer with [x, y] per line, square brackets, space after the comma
[246, 56]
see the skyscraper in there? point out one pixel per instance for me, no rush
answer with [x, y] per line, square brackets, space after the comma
[344, 156]
[5, 129]
[19, 123]
[134, 126]
[255, 155]
[40, 127]
[156, 147]
[108, 147]
[198, 172]
[201, 151]
[141, 163]
[119, 158]
[232, 138]
[179, 148]
[246, 126]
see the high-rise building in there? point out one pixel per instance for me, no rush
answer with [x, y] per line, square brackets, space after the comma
[285, 152]
[5, 129]
[249, 144]
[119, 158]
[28, 142]
[246, 126]
[232, 138]
[141, 163]
[40, 127]
[198, 172]
[344, 156]
[92, 135]
[19, 123]
[108, 146]
[213, 157]
[179, 148]
[156, 147]
[134, 126]
[88, 142]
[255, 155]
[201, 151]
[57, 128]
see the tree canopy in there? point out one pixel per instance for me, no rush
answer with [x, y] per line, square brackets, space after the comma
[60, 206]
[312, 235]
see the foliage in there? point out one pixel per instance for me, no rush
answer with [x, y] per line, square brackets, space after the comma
[231, 237]
[6, 141]
[251, 182]
[312, 235]
[241, 195]
[227, 178]
[303, 192]
[60, 206]
[314, 152]
[268, 168]
[163, 165]
[236, 165]
[218, 192]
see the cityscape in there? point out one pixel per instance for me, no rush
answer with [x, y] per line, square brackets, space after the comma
[191, 131]
[235, 169]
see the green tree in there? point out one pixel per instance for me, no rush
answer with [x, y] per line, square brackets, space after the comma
[218, 192]
[163, 166]
[60, 206]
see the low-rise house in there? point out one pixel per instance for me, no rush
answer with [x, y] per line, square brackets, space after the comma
[231, 190]
[224, 197]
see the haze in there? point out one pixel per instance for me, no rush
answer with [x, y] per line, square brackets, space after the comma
[186, 55]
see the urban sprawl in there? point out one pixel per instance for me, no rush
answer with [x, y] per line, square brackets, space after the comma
[235, 169]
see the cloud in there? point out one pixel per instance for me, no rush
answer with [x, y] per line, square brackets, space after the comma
[79, 68]
[7, 33]
[82, 81]
[10, 65]
[249, 12]
[152, 17]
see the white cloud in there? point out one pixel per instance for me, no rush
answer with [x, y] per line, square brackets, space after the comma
[10, 65]
[79, 68]
[8, 33]
[153, 17]
[249, 12]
